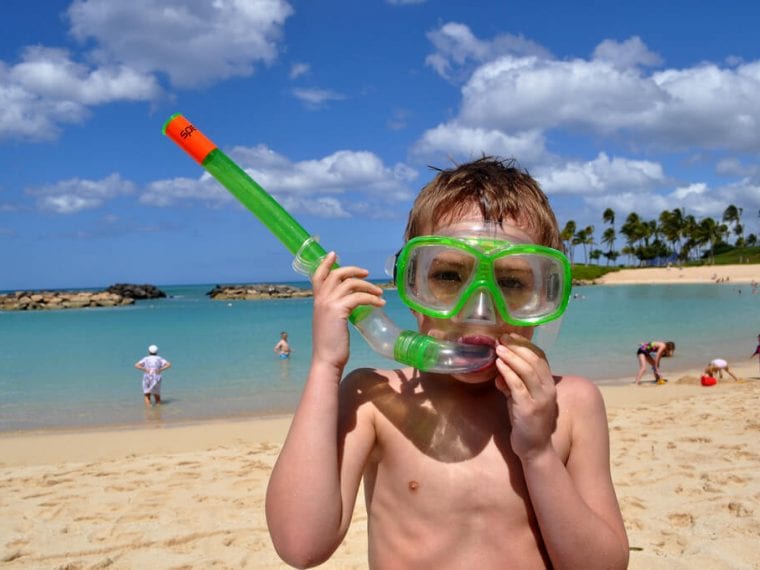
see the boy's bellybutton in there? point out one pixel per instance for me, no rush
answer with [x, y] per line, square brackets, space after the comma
[413, 486]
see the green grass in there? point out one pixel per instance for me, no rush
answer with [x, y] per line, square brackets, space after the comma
[732, 256]
[583, 272]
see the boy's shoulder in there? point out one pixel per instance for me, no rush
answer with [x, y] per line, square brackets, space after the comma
[581, 392]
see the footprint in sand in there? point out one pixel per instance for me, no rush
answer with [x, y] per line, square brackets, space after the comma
[739, 510]
[681, 519]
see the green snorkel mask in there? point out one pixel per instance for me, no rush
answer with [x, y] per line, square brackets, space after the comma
[475, 271]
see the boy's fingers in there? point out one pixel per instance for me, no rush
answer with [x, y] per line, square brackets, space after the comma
[324, 267]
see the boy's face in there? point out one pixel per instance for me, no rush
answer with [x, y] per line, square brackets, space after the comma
[477, 322]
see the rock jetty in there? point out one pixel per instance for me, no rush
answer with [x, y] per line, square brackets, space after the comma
[136, 292]
[115, 296]
[257, 291]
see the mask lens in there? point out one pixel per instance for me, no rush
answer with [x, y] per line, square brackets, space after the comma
[437, 275]
[531, 284]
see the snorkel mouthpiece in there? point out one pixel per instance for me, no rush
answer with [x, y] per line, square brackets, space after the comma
[405, 346]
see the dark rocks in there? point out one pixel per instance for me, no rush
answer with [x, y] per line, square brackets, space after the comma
[136, 292]
[115, 296]
[257, 291]
[51, 300]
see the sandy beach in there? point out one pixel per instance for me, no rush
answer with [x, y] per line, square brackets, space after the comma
[662, 275]
[685, 461]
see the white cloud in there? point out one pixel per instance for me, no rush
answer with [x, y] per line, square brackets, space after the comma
[602, 175]
[74, 195]
[630, 53]
[698, 199]
[51, 74]
[47, 89]
[457, 49]
[195, 42]
[323, 187]
[181, 191]
[610, 95]
[316, 97]
[468, 143]
[298, 69]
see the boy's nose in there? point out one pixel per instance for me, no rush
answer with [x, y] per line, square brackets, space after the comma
[479, 309]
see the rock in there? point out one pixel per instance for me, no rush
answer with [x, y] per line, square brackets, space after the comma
[50, 300]
[257, 291]
[136, 292]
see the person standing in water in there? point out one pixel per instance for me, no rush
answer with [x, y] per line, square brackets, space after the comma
[152, 366]
[282, 348]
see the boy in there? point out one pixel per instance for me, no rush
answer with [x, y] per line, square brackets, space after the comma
[504, 467]
[282, 348]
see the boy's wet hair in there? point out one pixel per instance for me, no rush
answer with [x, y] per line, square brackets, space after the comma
[499, 188]
[670, 346]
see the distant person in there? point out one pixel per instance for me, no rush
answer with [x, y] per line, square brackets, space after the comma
[716, 367]
[757, 351]
[152, 366]
[282, 348]
[658, 348]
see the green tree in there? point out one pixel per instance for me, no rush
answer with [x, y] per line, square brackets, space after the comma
[566, 235]
[732, 215]
[608, 239]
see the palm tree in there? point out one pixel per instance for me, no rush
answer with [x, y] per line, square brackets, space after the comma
[608, 217]
[733, 216]
[586, 237]
[635, 230]
[672, 225]
[710, 232]
[608, 239]
[566, 236]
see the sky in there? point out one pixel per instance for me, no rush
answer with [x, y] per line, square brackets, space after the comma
[339, 108]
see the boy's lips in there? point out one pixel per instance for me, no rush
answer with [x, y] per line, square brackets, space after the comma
[477, 339]
[480, 340]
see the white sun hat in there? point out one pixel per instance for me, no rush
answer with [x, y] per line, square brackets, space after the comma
[153, 349]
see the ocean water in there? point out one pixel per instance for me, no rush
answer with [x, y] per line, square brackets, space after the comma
[74, 368]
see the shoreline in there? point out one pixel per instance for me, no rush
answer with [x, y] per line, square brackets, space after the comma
[41, 446]
[743, 274]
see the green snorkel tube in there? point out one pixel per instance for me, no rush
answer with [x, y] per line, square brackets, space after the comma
[405, 346]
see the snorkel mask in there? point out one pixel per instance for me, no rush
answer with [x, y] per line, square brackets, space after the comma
[405, 346]
[474, 272]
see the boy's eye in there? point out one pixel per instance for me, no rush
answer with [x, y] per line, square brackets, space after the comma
[512, 282]
[446, 275]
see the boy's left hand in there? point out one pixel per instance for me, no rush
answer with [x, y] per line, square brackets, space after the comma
[531, 393]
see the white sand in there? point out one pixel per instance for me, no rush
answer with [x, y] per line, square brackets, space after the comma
[685, 459]
[662, 275]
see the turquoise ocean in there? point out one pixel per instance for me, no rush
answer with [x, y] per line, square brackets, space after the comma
[74, 368]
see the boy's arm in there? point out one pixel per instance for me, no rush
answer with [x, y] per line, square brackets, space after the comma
[313, 485]
[575, 503]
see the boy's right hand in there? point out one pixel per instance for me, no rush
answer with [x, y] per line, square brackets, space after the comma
[337, 292]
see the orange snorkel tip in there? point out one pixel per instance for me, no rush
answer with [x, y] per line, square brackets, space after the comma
[188, 137]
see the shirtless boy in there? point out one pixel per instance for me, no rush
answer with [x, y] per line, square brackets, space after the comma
[505, 467]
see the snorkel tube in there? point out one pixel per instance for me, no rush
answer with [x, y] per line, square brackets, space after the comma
[407, 347]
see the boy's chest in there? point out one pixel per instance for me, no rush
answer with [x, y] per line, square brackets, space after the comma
[442, 468]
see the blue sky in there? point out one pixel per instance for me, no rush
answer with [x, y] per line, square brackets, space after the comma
[337, 108]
